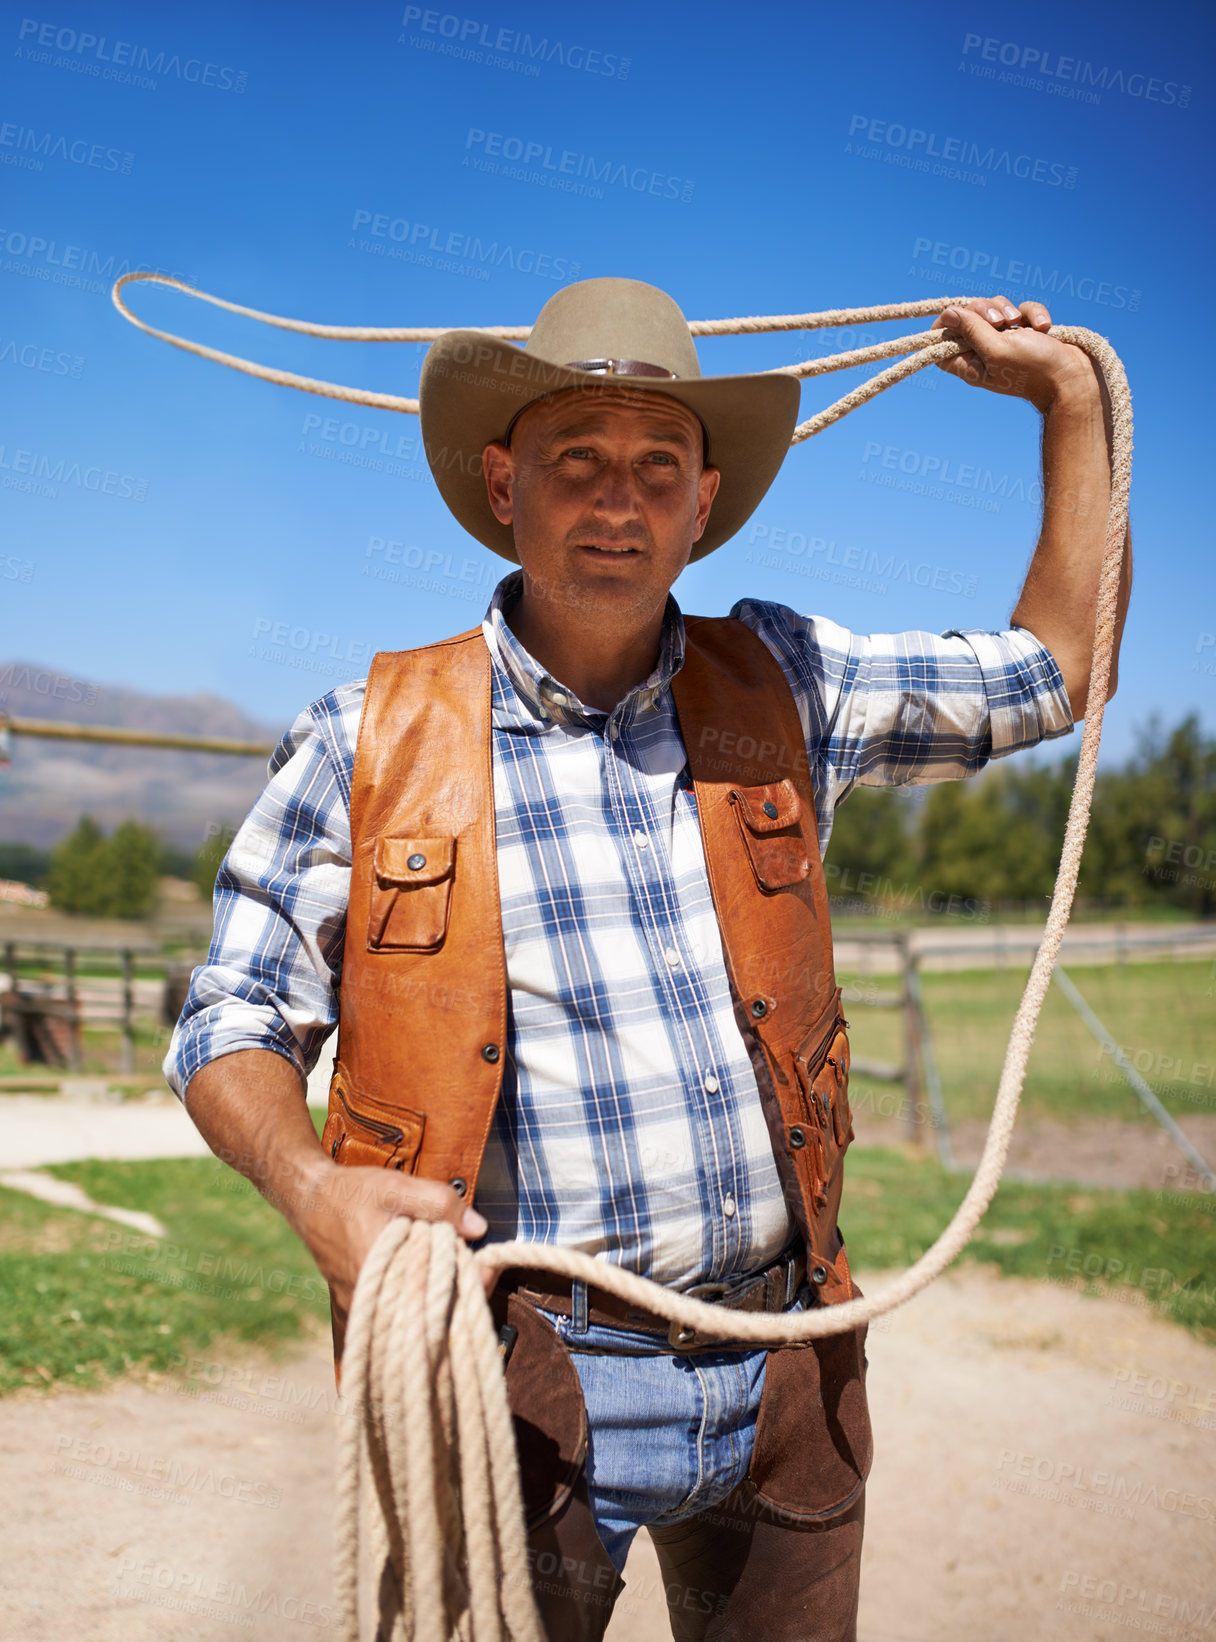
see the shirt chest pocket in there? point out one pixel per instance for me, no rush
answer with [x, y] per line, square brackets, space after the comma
[411, 893]
[770, 819]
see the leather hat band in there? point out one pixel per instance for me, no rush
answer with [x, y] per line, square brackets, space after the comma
[611, 367]
[618, 367]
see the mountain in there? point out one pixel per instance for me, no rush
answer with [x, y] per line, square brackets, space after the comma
[185, 796]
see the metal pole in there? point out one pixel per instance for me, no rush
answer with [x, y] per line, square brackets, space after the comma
[1147, 1096]
[127, 1060]
[56, 730]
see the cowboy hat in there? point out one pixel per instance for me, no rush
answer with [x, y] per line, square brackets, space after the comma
[598, 334]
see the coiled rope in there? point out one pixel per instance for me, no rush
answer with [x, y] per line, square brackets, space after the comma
[448, 1527]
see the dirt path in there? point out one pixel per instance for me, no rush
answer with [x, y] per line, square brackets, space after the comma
[1105, 1152]
[1046, 1468]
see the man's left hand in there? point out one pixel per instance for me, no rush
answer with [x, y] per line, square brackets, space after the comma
[1010, 352]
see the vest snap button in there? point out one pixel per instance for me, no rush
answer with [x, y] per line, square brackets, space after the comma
[770, 809]
[797, 1139]
[460, 1187]
[490, 1052]
[416, 863]
[819, 1274]
[759, 1008]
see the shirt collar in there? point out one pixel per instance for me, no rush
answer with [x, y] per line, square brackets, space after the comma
[546, 698]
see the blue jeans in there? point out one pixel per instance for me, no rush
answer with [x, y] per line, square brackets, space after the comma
[668, 1435]
[746, 1467]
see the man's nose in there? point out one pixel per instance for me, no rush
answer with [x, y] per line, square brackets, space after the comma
[616, 495]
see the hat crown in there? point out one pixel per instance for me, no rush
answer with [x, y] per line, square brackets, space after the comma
[614, 319]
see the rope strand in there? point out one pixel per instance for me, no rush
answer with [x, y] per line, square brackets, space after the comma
[449, 1521]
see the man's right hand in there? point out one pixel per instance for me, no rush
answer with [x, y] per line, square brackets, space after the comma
[340, 1213]
[249, 1107]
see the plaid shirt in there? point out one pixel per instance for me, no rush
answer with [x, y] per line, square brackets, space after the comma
[630, 1124]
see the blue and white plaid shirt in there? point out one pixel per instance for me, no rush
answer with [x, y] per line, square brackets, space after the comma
[630, 1124]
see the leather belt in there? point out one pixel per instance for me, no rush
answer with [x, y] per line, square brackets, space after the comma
[771, 1290]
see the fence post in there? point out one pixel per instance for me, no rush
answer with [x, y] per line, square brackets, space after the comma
[915, 1118]
[69, 975]
[126, 1063]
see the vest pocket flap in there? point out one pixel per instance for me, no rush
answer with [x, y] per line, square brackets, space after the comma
[405, 862]
[411, 893]
[770, 822]
[773, 807]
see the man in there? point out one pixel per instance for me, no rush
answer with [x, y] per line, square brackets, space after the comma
[567, 870]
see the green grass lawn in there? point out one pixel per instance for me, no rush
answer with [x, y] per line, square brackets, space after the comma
[1142, 1247]
[1163, 1015]
[84, 1301]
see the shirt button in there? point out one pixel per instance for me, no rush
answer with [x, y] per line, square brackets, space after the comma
[641, 840]
[711, 1083]
[613, 732]
[728, 1206]
[672, 957]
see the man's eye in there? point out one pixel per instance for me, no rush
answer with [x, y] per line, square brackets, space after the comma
[580, 451]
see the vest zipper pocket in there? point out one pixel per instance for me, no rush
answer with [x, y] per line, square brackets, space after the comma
[385, 1136]
[820, 1103]
[823, 1081]
[386, 1132]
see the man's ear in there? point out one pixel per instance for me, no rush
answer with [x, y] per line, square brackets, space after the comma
[707, 489]
[498, 469]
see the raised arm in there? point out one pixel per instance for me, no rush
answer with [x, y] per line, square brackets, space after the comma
[1010, 353]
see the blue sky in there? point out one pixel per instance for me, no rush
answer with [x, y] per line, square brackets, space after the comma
[782, 159]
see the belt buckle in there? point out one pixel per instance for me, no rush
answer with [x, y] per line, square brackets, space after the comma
[679, 1336]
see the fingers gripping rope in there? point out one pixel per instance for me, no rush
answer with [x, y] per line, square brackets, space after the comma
[431, 1423]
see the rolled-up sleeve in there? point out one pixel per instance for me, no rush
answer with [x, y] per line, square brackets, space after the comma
[273, 970]
[895, 709]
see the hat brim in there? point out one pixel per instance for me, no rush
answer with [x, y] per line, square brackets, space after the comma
[473, 385]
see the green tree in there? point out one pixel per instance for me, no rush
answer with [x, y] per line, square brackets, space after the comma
[24, 864]
[996, 839]
[105, 877]
[132, 863]
[869, 852]
[76, 880]
[1153, 834]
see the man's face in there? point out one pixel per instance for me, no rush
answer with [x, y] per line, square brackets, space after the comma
[606, 494]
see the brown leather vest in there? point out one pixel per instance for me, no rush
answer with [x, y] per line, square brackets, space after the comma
[422, 1032]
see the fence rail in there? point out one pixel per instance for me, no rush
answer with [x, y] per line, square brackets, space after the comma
[80, 999]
